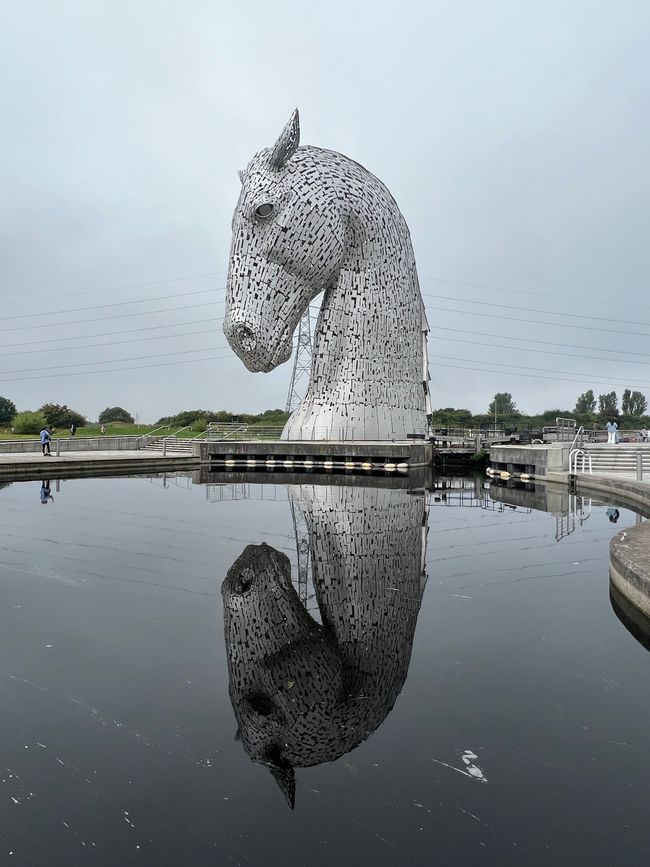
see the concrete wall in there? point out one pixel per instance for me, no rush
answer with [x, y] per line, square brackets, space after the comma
[415, 454]
[536, 460]
[74, 444]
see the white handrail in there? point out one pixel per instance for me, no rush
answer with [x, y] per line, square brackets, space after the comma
[574, 455]
[578, 433]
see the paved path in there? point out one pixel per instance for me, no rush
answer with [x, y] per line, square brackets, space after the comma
[75, 457]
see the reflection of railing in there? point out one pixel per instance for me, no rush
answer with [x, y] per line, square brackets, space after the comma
[245, 491]
[579, 511]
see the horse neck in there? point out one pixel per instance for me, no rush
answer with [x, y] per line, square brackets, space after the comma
[376, 298]
[363, 542]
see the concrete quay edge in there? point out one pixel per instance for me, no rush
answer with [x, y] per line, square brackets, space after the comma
[27, 467]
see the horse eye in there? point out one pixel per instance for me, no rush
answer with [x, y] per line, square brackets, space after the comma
[264, 210]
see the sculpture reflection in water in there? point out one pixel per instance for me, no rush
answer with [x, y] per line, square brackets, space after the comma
[305, 693]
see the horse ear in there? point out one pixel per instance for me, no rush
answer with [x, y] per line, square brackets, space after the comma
[242, 176]
[286, 146]
[285, 777]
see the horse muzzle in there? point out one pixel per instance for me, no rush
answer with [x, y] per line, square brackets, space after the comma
[255, 352]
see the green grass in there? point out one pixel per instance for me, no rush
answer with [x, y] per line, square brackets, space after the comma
[91, 430]
[124, 429]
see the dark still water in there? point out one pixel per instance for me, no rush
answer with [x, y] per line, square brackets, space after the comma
[458, 696]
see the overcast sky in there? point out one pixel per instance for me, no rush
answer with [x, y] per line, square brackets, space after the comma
[514, 136]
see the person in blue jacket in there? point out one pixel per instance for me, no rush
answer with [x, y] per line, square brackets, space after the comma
[612, 430]
[45, 442]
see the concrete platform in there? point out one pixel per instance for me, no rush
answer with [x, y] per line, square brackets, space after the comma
[321, 454]
[90, 463]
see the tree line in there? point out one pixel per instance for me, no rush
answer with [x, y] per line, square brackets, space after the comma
[589, 410]
[54, 415]
[62, 417]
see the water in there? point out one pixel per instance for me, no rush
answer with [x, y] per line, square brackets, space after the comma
[498, 715]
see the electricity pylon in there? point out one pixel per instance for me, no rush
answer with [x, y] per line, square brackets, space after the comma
[301, 364]
[303, 550]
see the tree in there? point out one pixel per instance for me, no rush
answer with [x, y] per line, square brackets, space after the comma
[59, 415]
[29, 422]
[504, 404]
[608, 404]
[116, 413]
[7, 410]
[634, 403]
[586, 403]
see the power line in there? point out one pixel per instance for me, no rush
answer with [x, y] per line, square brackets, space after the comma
[539, 351]
[564, 297]
[115, 360]
[587, 376]
[537, 322]
[581, 382]
[112, 342]
[112, 304]
[105, 318]
[109, 333]
[617, 352]
[535, 310]
[116, 288]
[118, 369]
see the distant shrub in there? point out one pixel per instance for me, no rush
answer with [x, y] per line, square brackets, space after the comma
[116, 413]
[60, 415]
[7, 410]
[29, 422]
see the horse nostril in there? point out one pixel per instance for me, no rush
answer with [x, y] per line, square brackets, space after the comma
[246, 337]
[244, 582]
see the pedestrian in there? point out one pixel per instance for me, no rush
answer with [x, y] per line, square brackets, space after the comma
[612, 429]
[102, 430]
[46, 493]
[45, 442]
[73, 429]
[613, 514]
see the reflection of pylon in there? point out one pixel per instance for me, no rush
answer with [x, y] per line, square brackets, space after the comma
[301, 364]
[301, 530]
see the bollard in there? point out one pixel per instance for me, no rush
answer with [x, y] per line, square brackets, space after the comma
[164, 448]
[58, 448]
[639, 466]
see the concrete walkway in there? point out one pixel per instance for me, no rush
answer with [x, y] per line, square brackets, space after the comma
[30, 465]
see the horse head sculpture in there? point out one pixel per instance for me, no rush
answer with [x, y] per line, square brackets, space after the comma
[308, 221]
[274, 270]
[305, 693]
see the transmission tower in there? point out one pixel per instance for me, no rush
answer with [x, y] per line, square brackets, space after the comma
[301, 364]
[301, 531]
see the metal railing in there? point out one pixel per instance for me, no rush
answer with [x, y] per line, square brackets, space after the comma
[578, 436]
[218, 431]
[578, 457]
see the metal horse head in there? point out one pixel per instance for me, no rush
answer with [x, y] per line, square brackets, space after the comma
[287, 245]
[284, 671]
[305, 693]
